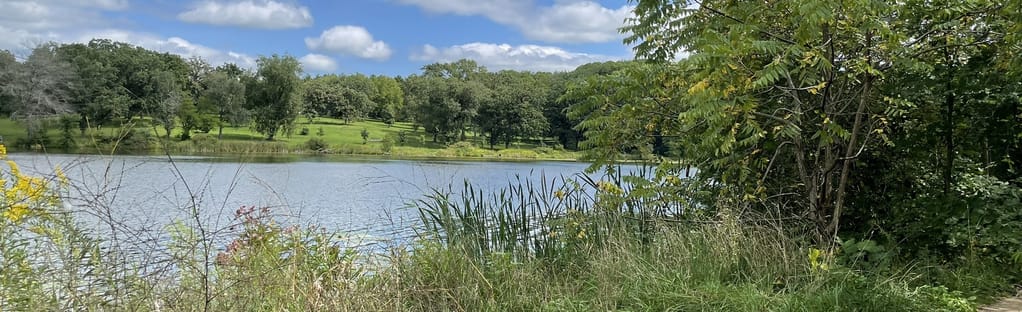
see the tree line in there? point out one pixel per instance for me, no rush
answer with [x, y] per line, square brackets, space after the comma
[109, 83]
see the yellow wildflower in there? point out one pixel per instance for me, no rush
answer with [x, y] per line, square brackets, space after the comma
[609, 187]
[559, 194]
[16, 212]
[3, 151]
[61, 176]
[14, 168]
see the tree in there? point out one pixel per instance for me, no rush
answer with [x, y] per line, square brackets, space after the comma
[463, 69]
[560, 125]
[189, 117]
[322, 96]
[513, 108]
[163, 98]
[273, 95]
[445, 107]
[7, 73]
[352, 104]
[225, 95]
[776, 90]
[198, 70]
[38, 87]
[388, 99]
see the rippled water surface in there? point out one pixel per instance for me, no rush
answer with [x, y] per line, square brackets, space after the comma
[370, 198]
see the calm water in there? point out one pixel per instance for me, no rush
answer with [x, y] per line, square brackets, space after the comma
[144, 194]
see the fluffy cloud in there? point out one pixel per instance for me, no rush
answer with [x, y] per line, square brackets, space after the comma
[42, 16]
[173, 45]
[349, 40]
[318, 63]
[266, 14]
[26, 23]
[564, 21]
[504, 56]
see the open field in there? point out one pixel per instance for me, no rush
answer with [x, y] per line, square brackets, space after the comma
[336, 137]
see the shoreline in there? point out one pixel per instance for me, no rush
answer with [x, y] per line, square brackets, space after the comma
[303, 156]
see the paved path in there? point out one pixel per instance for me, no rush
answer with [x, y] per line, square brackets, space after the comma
[1006, 305]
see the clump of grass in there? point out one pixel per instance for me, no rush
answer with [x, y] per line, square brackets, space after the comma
[589, 246]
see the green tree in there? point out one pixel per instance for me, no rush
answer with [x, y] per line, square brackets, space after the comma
[445, 107]
[514, 108]
[353, 105]
[463, 69]
[39, 87]
[163, 99]
[776, 90]
[273, 95]
[225, 95]
[322, 96]
[388, 99]
[189, 117]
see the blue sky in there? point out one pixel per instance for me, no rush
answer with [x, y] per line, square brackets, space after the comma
[391, 37]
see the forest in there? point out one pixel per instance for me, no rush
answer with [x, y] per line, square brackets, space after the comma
[799, 155]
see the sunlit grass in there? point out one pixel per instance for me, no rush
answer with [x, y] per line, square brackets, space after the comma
[403, 139]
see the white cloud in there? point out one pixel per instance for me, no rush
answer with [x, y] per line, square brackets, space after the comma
[41, 16]
[110, 5]
[349, 40]
[504, 56]
[26, 23]
[173, 45]
[572, 21]
[263, 14]
[318, 63]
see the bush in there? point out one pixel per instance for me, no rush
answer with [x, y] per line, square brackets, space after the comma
[304, 131]
[136, 141]
[387, 144]
[317, 145]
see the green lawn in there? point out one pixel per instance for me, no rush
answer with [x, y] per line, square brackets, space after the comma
[341, 138]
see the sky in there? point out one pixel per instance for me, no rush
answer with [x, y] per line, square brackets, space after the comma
[388, 37]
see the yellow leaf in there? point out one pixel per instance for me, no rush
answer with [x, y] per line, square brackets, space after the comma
[816, 89]
[698, 87]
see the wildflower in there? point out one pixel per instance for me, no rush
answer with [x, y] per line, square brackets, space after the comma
[3, 151]
[609, 187]
[559, 194]
[16, 212]
[61, 177]
[816, 260]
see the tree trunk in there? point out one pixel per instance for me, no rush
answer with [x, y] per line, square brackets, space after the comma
[949, 129]
[850, 151]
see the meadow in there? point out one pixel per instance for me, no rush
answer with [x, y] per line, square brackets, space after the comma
[317, 136]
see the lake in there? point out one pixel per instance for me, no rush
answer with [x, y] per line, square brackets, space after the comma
[370, 199]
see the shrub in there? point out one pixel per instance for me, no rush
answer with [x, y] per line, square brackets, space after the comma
[317, 145]
[136, 141]
[387, 144]
[304, 131]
